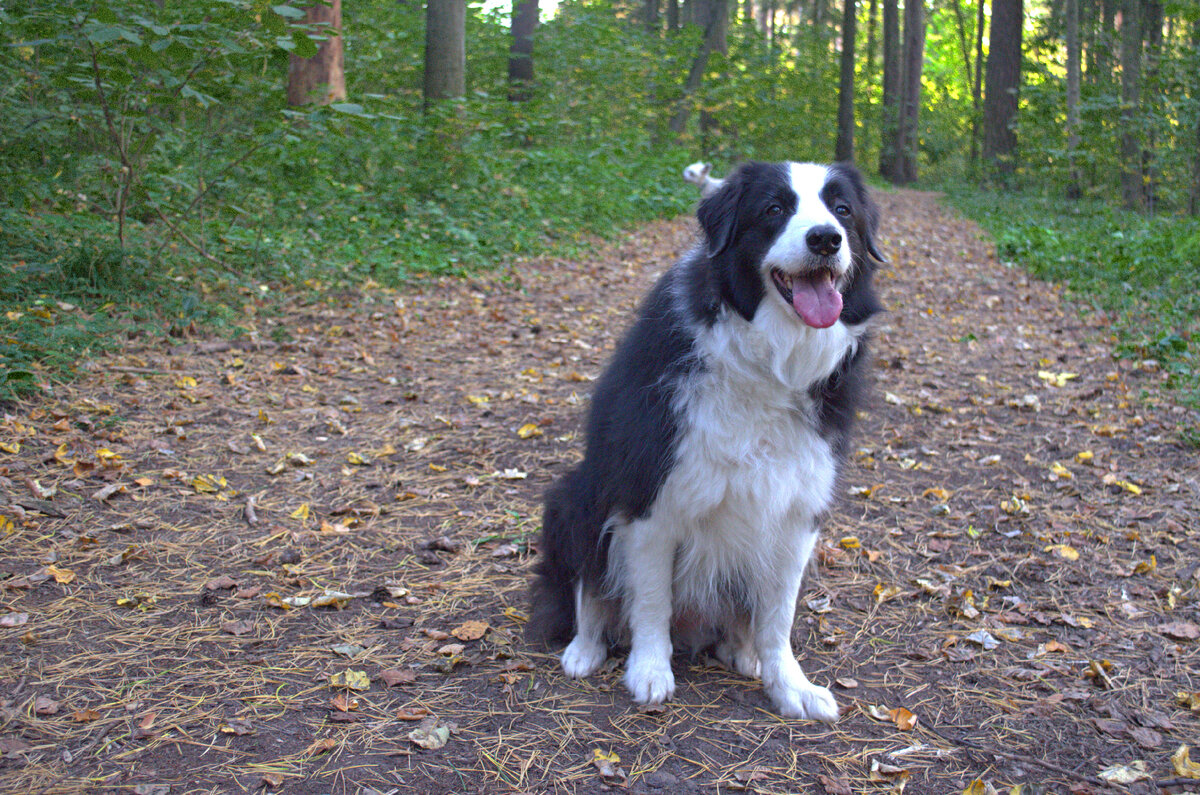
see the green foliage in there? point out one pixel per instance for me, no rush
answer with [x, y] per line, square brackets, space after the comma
[1142, 272]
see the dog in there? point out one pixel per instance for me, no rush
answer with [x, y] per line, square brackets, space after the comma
[697, 174]
[714, 440]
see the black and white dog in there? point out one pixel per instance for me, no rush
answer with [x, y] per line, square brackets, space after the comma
[714, 442]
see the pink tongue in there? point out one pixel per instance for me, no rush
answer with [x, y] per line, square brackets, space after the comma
[817, 301]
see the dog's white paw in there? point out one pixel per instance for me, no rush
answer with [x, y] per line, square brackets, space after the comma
[800, 698]
[583, 657]
[740, 658]
[649, 679]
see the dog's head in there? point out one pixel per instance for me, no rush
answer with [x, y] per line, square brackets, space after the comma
[800, 233]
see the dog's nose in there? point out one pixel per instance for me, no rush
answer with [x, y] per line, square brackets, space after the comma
[823, 240]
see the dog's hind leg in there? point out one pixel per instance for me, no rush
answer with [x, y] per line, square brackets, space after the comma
[587, 651]
[775, 609]
[736, 649]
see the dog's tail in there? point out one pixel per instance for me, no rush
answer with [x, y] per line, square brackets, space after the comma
[570, 531]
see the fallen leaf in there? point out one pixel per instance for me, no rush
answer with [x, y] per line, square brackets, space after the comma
[528, 430]
[236, 726]
[607, 765]
[1181, 630]
[44, 705]
[1191, 700]
[343, 703]
[1125, 774]
[470, 630]
[13, 619]
[398, 676]
[347, 649]
[1181, 760]
[301, 513]
[412, 713]
[903, 719]
[320, 746]
[224, 582]
[85, 715]
[834, 786]
[1064, 551]
[238, 628]
[430, 735]
[61, 576]
[984, 639]
[350, 678]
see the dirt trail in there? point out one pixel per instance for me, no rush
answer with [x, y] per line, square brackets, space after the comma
[297, 561]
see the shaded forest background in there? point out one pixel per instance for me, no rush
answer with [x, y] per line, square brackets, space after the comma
[176, 167]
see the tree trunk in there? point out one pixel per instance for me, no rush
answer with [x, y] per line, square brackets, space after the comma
[672, 16]
[908, 144]
[520, 52]
[890, 117]
[1002, 84]
[868, 76]
[961, 24]
[844, 148]
[977, 88]
[321, 78]
[1074, 181]
[445, 50]
[650, 15]
[1152, 31]
[1194, 197]
[1131, 75]
[715, 18]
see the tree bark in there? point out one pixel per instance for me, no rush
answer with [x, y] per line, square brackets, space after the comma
[672, 16]
[890, 117]
[1002, 84]
[1131, 75]
[1152, 33]
[1194, 194]
[977, 88]
[908, 146]
[445, 50]
[715, 18]
[1074, 180]
[520, 52]
[321, 78]
[844, 148]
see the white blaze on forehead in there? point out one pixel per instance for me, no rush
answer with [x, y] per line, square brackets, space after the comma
[790, 249]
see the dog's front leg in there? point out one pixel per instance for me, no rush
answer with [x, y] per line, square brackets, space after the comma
[775, 610]
[648, 570]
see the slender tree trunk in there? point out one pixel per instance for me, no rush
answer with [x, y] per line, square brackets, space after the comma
[909, 145]
[672, 16]
[716, 23]
[650, 15]
[961, 23]
[890, 117]
[321, 78]
[977, 89]
[445, 50]
[868, 77]
[1131, 76]
[1074, 180]
[1003, 82]
[844, 148]
[1194, 197]
[1152, 31]
[520, 52]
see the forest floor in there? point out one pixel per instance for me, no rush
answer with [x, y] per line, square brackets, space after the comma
[298, 561]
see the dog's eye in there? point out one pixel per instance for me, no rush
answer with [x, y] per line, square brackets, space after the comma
[774, 209]
[842, 210]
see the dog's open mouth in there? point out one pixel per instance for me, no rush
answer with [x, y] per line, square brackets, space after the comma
[813, 295]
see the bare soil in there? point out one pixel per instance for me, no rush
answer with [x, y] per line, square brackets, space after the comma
[297, 561]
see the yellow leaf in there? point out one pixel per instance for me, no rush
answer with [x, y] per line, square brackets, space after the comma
[1084, 456]
[352, 679]
[12, 448]
[355, 459]
[977, 787]
[437, 467]
[937, 493]
[600, 757]
[885, 592]
[1063, 551]
[1125, 774]
[1061, 471]
[1191, 700]
[264, 418]
[1181, 760]
[61, 576]
[849, 542]
[187, 382]
[208, 484]
[1056, 379]
[1146, 566]
[903, 719]
[529, 429]
[301, 513]
[478, 400]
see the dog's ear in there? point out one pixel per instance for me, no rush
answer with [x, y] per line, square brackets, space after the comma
[718, 216]
[868, 216]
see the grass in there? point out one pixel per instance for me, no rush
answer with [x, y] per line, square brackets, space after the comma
[1140, 270]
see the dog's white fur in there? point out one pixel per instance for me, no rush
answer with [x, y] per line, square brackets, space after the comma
[743, 498]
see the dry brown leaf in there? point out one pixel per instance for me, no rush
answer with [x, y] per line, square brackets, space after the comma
[470, 630]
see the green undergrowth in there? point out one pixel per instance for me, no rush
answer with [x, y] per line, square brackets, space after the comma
[1141, 271]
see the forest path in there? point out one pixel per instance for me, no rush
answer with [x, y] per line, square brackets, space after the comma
[298, 560]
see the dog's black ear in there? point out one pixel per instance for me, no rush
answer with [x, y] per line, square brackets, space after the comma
[718, 215]
[868, 215]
